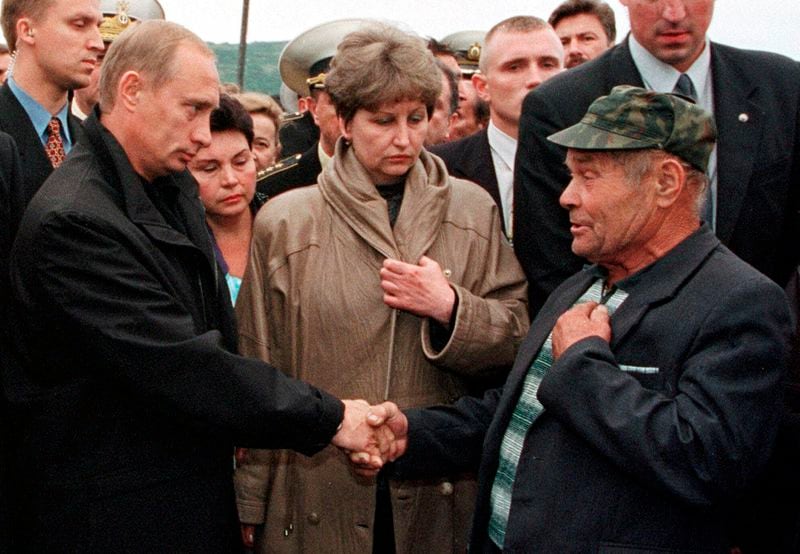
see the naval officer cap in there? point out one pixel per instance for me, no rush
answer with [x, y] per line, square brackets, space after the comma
[306, 59]
[467, 46]
[119, 15]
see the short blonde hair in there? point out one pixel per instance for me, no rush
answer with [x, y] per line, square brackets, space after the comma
[381, 64]
[148, 48]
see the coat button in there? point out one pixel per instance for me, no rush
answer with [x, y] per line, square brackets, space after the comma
[313, 518]
[446, 488]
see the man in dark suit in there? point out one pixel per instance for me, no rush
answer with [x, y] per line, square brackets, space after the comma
[52, 55]
[10, 181]
[519, 53]
[647, 393]
[129, 388]
[755, 172]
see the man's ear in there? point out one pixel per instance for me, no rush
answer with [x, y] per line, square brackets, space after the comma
[670, 181]
[25, 32]
[129, 90]
[481, 87]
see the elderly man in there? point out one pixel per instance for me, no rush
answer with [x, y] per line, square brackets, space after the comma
[754, 172]
[130, 388]
[647, 393]
[519, 54]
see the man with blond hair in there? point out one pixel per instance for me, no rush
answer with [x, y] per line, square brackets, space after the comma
[132, 393]
[519, 54]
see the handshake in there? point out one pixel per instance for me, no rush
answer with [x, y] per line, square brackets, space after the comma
[371, 436]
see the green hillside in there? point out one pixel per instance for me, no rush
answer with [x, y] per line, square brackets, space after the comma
[261, 70]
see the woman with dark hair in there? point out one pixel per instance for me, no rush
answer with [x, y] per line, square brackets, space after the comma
[225, 171]
[388, 279]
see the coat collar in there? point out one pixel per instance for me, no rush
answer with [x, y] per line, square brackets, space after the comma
[349, 191]
[129, 186]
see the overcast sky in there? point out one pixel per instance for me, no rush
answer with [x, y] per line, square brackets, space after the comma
[761, 24]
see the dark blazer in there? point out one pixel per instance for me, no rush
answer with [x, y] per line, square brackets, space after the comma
[757, 111]
[470, 158]
[10, 181]
[290, 173]
[132, 393]
[36, 166]
[643, 442]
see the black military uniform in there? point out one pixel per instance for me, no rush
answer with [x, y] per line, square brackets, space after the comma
[289, 173]
[298, 133]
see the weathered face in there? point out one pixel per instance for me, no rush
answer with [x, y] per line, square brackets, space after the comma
[439, 123]
[611, 220]
[225, 171]
[674, 31]
[582, 37]
[65, 42]
[173, 120]
[517, 63]
[388, 141]
[265, 141]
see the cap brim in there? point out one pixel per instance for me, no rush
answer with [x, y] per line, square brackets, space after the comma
[585, 136]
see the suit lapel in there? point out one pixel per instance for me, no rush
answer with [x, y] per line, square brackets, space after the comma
[739, 119]
[558, 303]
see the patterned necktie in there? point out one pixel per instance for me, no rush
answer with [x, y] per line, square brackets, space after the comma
[685, 87]
[527, 410]
[55, 146]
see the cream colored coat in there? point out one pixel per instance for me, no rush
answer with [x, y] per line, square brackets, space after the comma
[311, 304]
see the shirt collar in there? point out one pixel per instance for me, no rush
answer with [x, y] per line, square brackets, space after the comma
[502, 144]
[662, 77]
[39, 116]
[324, 159]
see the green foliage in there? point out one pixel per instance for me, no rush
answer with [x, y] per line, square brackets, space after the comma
[261, 69]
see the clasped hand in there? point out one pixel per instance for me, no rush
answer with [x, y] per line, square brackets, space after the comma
[371, 436]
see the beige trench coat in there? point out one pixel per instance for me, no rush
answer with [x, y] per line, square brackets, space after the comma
[311, 304]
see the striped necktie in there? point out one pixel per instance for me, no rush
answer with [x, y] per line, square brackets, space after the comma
[526, 411]
[54, 148]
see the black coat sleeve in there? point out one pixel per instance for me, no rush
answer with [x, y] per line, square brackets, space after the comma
[94, 310]
[446, 439]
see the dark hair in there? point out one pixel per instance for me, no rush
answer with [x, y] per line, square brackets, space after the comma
[231, 116]
[4, 49]
[600, 10]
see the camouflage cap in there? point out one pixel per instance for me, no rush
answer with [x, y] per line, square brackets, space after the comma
[631, 118]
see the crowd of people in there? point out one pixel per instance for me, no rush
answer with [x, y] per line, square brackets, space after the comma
[547, 273]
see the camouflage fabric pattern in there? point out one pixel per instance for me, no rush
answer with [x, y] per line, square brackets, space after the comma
[634, 118]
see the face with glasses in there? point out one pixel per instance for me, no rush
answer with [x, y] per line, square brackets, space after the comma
[674, 31]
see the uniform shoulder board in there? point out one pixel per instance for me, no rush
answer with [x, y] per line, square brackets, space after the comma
[289, 117]
[278, 167]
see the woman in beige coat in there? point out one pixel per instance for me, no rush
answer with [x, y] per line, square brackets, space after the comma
[386, 280]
